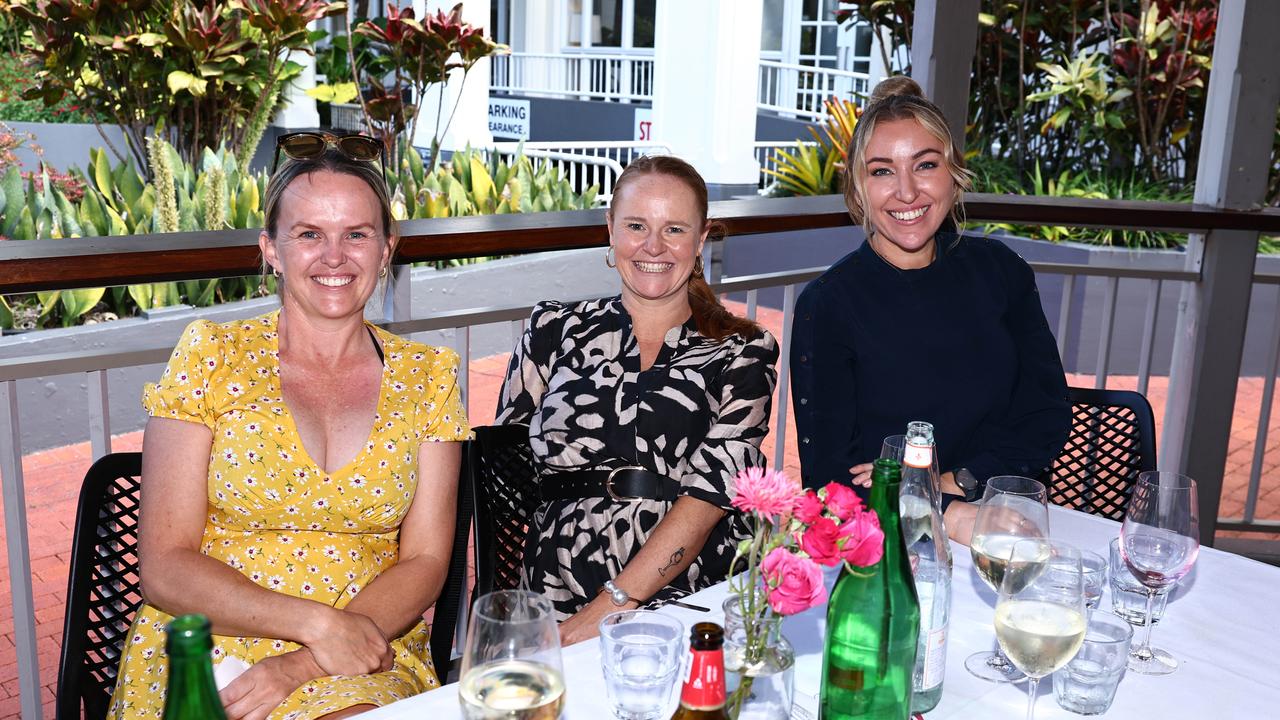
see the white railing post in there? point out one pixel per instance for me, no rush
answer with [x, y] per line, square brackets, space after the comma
[99, 413]
[18, 547]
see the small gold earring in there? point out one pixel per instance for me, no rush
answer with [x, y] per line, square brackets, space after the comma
[697, 267]
[275, 271]
[609, 258]
[382, 273]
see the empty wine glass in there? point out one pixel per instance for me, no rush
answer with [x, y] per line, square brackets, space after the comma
[1159, 540]
[1013, 508]
[1040, 616]
[511, 665]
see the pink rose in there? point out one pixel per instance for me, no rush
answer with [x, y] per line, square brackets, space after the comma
[821, 542]
[795, 584]
[842, 501]
[809, 508]
[862, 540]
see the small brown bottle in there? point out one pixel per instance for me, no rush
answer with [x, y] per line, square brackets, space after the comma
[702, 697]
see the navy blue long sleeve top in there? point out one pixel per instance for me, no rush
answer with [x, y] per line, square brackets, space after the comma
[962, 343]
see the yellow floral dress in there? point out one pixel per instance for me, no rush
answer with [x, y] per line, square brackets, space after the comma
[277, 517]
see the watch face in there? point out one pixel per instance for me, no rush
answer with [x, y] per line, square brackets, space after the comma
[965, 479]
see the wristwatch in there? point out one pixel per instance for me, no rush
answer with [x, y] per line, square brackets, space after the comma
[617, 595]
[967, 483]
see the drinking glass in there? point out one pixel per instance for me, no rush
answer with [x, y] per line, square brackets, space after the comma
[1128, 596]
[1012, 508]
[1040, 616]
[641, 651]
[1095, 578]
[1159, 540]
[1087, 685]
[511, 665]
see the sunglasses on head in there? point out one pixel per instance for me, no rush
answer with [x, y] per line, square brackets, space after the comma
[308, 145]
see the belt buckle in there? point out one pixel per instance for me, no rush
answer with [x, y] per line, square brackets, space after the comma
[608, 484]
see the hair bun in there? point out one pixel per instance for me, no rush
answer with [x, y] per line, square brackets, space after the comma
[895, 86]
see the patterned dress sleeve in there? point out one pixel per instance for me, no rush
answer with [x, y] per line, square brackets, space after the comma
[441, 416]
[197, 365]
[741, 423]
[530, 365]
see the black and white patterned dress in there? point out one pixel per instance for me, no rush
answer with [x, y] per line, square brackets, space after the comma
[698, 415]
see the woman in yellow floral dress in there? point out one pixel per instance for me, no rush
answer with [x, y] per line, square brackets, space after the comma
[300, 473]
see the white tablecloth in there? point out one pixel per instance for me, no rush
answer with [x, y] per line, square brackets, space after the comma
[1222, 623]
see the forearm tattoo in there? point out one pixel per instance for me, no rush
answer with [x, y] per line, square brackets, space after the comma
[676, 557]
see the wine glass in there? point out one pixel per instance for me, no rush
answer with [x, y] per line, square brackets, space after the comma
[1040, 616]
[1013, 508]
[1159, 540]
[511, 665]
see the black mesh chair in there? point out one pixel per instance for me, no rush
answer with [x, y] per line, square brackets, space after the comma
[102, 586]
[1112, 439]
[499, 467]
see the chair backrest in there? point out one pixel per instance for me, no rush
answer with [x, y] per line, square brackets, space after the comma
[444, 621]
[102, 586]
[1112, 439]
[505, 486]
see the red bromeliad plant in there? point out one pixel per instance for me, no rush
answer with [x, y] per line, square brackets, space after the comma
[1163, 54]
[414, 55]
[200, 73]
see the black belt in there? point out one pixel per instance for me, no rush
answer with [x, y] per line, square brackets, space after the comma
[624, 483]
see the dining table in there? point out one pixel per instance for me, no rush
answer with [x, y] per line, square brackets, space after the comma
[1222, 623]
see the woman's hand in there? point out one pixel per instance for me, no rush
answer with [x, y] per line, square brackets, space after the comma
[860, 475]
[262, 688]
[585, 624]
[959, 520]
[348, 643]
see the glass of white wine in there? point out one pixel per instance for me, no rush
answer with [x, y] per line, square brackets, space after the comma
[1013, 508]
[511, 666]
[1040, 616]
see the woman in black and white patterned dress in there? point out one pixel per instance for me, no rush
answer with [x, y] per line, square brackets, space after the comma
[662, 378]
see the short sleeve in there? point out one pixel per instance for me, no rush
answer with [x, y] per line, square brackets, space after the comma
[742, 421]
[530, 365]
[441, 416]
[183, 392]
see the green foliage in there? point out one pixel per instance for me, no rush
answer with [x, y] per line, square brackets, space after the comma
[1041, 91]
[202, 74]
[16, 79]
[815, 169]
[214, 194]
[993, 179]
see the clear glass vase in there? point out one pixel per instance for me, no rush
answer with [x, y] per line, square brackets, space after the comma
[759, 663]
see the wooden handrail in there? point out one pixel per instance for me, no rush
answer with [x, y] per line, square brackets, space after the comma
[31, 265]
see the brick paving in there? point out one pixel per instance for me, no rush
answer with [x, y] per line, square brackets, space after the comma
[53, 482]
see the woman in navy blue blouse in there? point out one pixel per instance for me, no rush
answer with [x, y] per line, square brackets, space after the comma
[922, 322]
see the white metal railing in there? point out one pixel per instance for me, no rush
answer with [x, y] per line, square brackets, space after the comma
[585, 163]
[585, 76]
[94, 365]
[800, 90]
[767, 155]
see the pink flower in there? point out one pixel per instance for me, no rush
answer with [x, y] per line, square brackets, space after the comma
[842, 501]
[765, 492]
[821, 542]
[795, 584]
[862, 540]
[809, 508]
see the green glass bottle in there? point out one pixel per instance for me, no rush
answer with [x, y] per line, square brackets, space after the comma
[873, 622]
[192, 694]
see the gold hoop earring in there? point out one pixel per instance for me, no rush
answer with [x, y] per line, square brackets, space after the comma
[275, 271]
[609, 258]
[382, 273]
[697, 267]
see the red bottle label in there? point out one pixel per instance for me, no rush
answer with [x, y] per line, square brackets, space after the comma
[704, 682]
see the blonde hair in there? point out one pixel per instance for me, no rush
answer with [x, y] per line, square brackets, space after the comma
[900, 98]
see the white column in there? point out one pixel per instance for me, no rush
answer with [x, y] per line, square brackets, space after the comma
[943, 41]
[299, 110]
[706, 70]
[471, 118]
